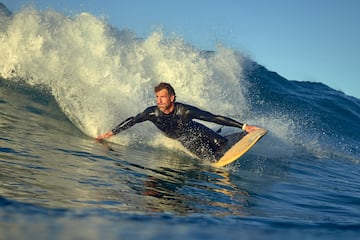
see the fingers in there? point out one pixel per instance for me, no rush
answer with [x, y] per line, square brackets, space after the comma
[101, 137]
[105, 135]
[250, 128]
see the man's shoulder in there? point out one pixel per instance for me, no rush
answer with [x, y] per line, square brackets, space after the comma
[152, 111]
[184, 109]
[180, 107]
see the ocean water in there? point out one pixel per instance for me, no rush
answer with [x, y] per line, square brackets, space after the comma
[64, 80]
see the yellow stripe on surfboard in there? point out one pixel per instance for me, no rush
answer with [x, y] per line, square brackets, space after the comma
[240, 148]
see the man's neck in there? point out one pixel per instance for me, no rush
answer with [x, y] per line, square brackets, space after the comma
[170, 109]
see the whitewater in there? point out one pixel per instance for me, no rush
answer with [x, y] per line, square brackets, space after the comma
[66, 79]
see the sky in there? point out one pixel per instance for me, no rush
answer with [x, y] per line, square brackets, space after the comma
[303, 40]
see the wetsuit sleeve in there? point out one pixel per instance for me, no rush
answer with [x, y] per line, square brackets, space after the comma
[197, 113]
[141, 117]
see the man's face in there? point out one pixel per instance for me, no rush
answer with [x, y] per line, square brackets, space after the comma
[164, 101]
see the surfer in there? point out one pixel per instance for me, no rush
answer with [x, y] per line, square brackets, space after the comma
[176, 121]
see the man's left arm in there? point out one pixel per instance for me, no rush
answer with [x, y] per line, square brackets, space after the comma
[222, 120]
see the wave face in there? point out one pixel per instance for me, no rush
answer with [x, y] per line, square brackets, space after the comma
[100, 75]
[325, 121]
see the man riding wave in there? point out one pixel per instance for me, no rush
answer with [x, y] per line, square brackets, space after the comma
[176, 121]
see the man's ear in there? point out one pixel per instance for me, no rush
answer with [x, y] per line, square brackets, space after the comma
[172, 98]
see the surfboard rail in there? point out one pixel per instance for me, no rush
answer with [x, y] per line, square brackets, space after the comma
[240, 148]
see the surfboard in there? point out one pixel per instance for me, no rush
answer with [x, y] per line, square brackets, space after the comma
[240, 148]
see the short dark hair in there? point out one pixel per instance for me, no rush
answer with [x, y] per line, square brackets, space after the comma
[166, 86]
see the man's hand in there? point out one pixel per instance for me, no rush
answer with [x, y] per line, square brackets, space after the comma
[250, 128]
[105, 135]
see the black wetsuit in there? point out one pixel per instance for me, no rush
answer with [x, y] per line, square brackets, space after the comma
[197, 138]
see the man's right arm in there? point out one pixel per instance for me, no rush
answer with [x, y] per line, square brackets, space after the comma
[119, 128]
[141, 117]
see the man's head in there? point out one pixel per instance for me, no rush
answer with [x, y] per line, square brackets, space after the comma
[166, 86]
[165, 97]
